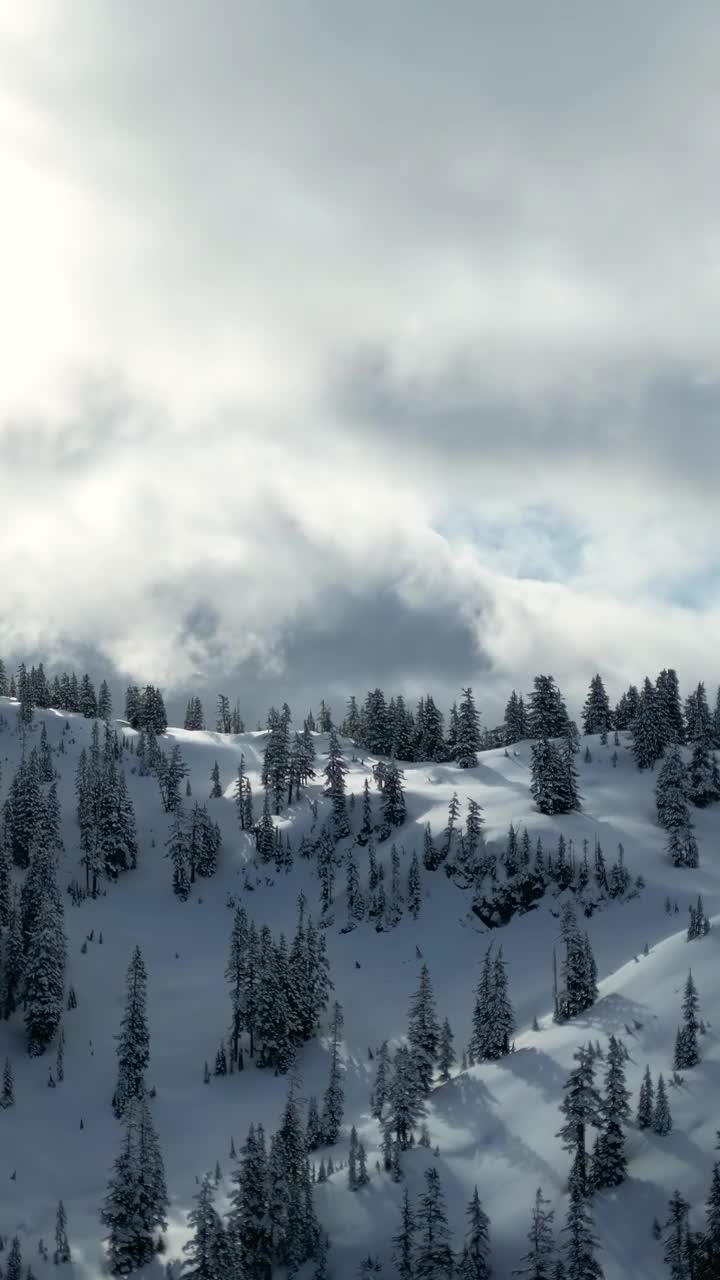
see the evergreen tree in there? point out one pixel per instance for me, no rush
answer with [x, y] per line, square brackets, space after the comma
[433, 1256]
[249, 1220]
[687, 1053]
[580, 1242]
[424, 1030]
[516, 721]
[446, 1054]
[703, 776]
[393, 796]
[538, 1261]
[404, 1242]
[609, 1160]
[200, 1248]
[553, 783]
[548, 714]
[467, 743]
[668, 699]
[133, 1051]
[136, 1203]
[62, 1246]
[676, 1239]
[647, 729]
[414, 889]
[44, 990]
[581, 1107]
[474, 1262]
[335, 771]
[662, 1120]
[646, 1102]
[405, 1100]
[671, 793]
[596, 712]
[7, 1097]
[216, 788]
[13, 1270]
[381, 1087]
[334, 1098]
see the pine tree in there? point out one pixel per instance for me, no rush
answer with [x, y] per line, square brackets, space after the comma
[538, 1261]
[405, 1100]
[334, 1098]
[581, 1107]
[424, 1030]
[676, 1239]
[136, 1203]
[381, 1086]
[236, 976]
[335, 771]
[548, 713]
[703, 782]
[596, 712]
[662, 1119]
[553, 784]
[404, 1242]
[671, 793]
[610, 1161]
[354, 894]
[580, 1242]
[7, 1097]
[711, 1238]
[13, 1271]
[393, 796]
[646, 1102]
[203, 1218]
[178, 851]
[687, 1053]
[248, 1220]
[474, 1262]
[515, 723]
[62, 1247]
[216, 789]
[647, 729]
[133, 1051]
[433, 1256]
[414, 888]
[446, 1055]
[467, 743]
[44, 990]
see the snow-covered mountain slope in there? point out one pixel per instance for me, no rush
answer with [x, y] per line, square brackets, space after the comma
[495, 1124]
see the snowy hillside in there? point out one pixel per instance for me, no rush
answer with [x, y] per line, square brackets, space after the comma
[495, 1124]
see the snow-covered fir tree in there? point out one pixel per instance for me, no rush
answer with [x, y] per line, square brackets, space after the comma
[580, 1241]
[335, 772]
[547, 713]
[467, 741]
[474, 1261]
[687, 1052]
[446, 1053]
[539, 1262]
[661, 1119]
[596, 711]
[404, 1241]
[581, 1108]
[334, 1097]
[424, 1030]
[133, 1050]
[136, 1203]
[434, 1258]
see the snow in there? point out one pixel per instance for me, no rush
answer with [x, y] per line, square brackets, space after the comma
[495, 1124]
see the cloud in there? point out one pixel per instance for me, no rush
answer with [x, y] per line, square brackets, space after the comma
[341, 339]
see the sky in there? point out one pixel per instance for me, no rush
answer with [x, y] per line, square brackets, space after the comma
[347, 345]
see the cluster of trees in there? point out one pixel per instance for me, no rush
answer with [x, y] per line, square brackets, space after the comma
[688, 1254]
[653, 1109]
[65, 693]
[277, 991]
[676, 786]
[287, 766]
[271, 1219]
[583, 1108]
[193, 846]
[145, 709]
[383, 907]
[687, 1048]
[493, 1021]
[389, 728]
[227, 720]
[578, 990]
[105, 813]
[423, 1245]
[529, 873]
[29, 812]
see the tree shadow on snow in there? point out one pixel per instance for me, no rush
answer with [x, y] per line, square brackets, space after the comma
[537, 1069]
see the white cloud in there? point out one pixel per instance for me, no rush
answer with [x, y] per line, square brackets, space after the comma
[285, 295]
